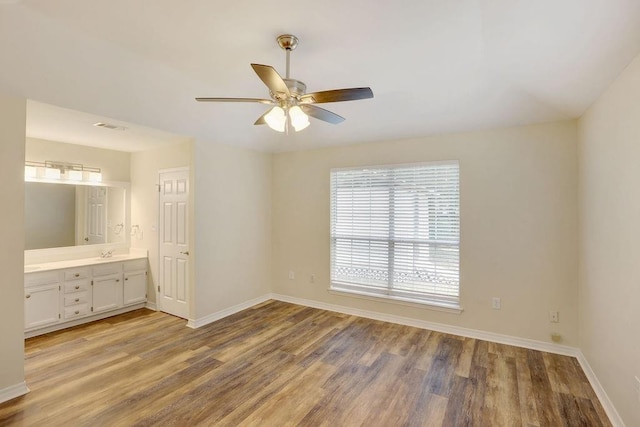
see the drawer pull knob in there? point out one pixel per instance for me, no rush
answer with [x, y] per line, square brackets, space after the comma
[28, 296]
[126, 278]
[77, 287]
[77, 274]
[117, 280]
[77, 311]
[77, 299]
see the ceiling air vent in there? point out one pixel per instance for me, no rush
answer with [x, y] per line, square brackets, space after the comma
[108, 126]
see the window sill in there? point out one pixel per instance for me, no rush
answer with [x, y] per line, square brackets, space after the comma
[444, 307]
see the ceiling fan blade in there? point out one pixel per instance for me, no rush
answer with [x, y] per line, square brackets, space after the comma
[271, 78]
[261, 120]
[322, 114]
[261, 101]
[337, 95]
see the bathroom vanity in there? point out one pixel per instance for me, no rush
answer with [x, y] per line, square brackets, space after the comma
[67, 293]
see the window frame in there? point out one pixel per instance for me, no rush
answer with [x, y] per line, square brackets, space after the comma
[435, 301]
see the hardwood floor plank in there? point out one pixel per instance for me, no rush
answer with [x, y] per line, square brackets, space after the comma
[546, 401]
[528, 407]
[459, 405]
[282, 364]
[501, 402]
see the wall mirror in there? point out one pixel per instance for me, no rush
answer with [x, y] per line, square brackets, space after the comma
[65, 215]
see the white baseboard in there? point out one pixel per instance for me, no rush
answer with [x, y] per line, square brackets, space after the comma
[611, 411]
[13, 391]
[439, 327]
[151, 306]
[70, 323]
[197, 323]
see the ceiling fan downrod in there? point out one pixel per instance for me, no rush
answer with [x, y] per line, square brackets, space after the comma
[288, 42]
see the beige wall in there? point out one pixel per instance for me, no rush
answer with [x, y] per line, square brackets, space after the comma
[233, 223]
[609, 164]
[12, 129]
[114, 164]
[518, 225]
[144, 199]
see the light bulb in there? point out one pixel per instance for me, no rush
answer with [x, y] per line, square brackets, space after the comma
[299, 119]
[276, 119]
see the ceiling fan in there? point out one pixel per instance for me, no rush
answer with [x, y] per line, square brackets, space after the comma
[290, 104]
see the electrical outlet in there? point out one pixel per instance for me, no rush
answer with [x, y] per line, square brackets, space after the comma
[638, 388]
[292, 275]
[496, 303]
[554, 317]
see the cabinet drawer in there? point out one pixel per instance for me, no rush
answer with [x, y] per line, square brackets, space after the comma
[135, 265]
[76, 298]
[77, 273]
[76, 311]
[77, 286]
[43, 278]
[111, 268]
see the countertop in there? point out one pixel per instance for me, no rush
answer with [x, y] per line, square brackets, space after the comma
[58, 265]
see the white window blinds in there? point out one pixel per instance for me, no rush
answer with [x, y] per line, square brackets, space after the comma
[395, 231]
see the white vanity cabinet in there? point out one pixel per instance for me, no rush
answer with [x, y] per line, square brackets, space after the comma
[107, 287]
[59, 298]
[135, 281]
[42, 300]
[76, 293]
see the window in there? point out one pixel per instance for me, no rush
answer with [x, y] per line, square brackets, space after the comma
[395, 232]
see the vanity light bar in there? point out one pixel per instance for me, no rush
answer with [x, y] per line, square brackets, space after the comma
[61, 171]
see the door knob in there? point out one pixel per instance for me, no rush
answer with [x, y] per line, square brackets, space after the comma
[185, 253]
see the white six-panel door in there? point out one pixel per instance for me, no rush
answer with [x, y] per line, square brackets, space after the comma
[174, 242]
[96, 215]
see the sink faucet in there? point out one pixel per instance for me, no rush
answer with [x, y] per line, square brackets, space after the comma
[106, 253]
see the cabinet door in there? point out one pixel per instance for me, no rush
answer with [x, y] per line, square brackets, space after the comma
[42, 306]
[135, 287]
[107, 292]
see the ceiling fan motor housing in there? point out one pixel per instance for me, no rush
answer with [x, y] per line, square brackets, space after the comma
[296, 87]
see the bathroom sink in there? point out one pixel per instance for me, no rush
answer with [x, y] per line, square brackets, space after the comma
[31, 268]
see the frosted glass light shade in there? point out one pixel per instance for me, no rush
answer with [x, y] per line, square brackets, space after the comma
[276, 119]
[51, 173]
[92, 176]
[30, 171]
[299, 119]
[74, 175]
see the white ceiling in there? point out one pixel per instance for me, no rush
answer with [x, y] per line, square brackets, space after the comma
[434, 66]
[54, 123]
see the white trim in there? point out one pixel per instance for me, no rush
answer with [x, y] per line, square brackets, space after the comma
[210, 318]
[430, 305]
[151, 306]
[70, 323]
[13, 391]
[398, 165]
[611, 411]
[178, 169]
[439, 327]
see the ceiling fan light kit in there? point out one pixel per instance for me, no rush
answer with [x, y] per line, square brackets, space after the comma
[291, 105]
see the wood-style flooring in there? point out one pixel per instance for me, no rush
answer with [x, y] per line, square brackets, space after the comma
[279, 364]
